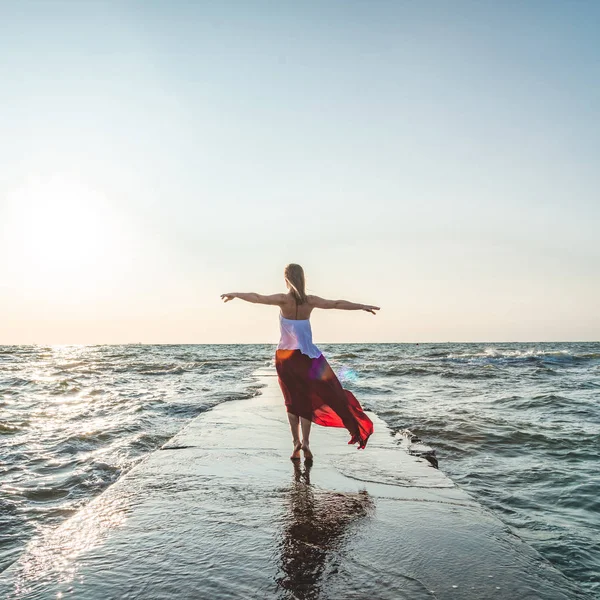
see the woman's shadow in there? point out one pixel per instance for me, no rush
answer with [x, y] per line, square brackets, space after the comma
[315, 528]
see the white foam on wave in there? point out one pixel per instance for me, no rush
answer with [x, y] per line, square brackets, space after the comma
[491, 352]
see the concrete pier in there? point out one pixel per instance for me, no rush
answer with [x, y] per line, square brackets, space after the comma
[221, 512]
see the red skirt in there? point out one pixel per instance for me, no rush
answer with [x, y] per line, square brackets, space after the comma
[311, 390]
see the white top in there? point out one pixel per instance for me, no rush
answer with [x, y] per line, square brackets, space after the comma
[296, 334]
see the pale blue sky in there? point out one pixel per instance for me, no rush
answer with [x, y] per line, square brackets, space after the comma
[437, 158]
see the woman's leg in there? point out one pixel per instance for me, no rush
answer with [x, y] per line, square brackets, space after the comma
[295, 428]
[306, 423]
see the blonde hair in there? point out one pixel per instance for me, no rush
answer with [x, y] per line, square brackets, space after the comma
[294, 275]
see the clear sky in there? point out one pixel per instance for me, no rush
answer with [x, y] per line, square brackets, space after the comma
[439, 159]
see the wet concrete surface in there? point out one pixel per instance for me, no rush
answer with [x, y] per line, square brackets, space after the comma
[221, 512]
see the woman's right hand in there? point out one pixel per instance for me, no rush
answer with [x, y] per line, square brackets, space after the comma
[228, 297]
[370, 308]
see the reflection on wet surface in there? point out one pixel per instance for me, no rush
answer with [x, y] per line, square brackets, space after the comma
[53, 558]
[317, 523]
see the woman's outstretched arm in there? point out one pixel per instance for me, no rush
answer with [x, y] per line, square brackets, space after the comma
[341, 304]
[273, 299]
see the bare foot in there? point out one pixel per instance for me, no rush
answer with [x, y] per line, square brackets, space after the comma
[296, 453]
[308, 455]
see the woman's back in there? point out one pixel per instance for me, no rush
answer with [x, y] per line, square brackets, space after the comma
[292, 310]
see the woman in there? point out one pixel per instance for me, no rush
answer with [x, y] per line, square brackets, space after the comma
[311, 390]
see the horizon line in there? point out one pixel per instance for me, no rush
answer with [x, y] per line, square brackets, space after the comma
[324, 343]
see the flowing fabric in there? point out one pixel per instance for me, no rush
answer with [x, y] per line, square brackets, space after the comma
[312, 390]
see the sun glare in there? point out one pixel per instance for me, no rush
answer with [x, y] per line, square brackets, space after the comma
[61, 236]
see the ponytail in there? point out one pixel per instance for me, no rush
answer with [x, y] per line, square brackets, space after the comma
[294, 275]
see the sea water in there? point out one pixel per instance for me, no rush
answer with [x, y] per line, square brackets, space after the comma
[516, 425]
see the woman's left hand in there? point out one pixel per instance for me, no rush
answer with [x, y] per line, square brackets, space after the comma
[228, 297]
[370, 308]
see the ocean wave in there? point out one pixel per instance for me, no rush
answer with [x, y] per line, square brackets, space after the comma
[462, 374]
[583, 495]
[538, 401]
[544, 370]
[349, 351]
[365, 388]
[436, 354]
[399, 370]
[72, 365]
[413, 371]
[7, 428]
[179, 409]
[8, 505]
[508, 421]
[64, 387]
[98, 436]
[586, 385]
[403, 371]
[15, 382]
[588, 356]
[179, 368]
[45, 494]
[532, 355]
[163, 371]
